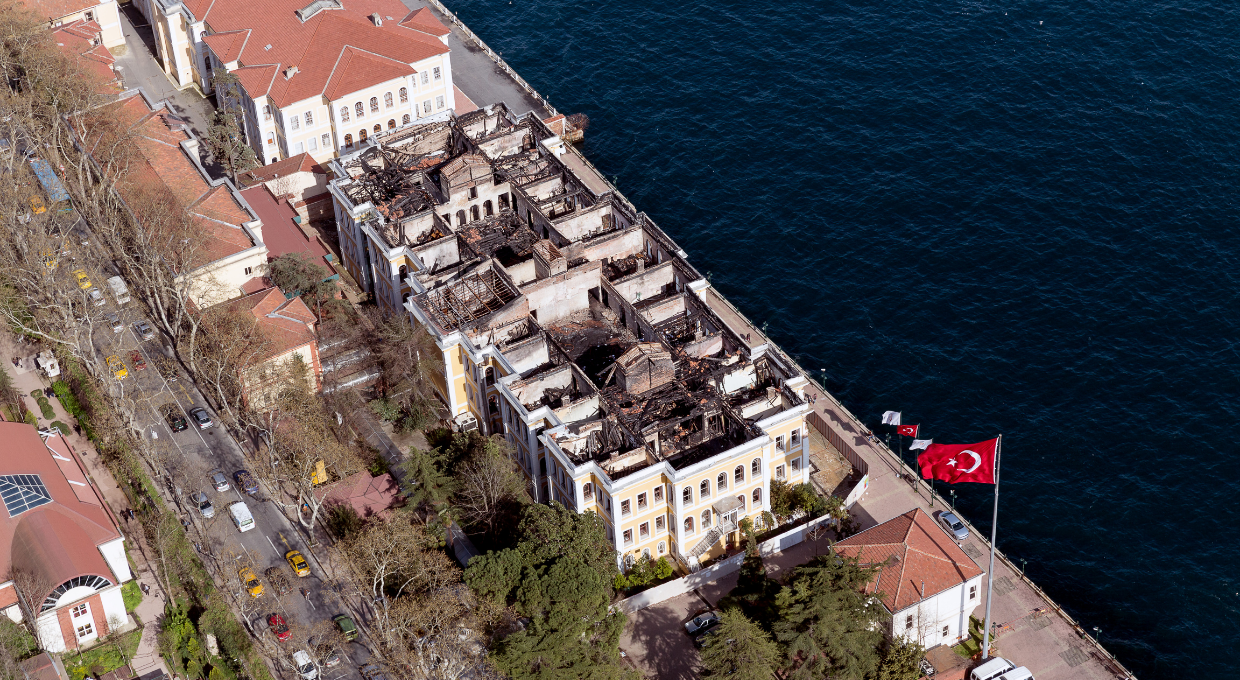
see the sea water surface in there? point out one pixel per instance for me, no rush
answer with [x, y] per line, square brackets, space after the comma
[1013, 218]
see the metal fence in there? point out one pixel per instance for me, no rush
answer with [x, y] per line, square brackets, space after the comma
[850, 454]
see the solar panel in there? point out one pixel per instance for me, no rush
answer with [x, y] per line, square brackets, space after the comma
[22, 492]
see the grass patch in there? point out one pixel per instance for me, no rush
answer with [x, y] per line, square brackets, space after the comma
[104, 657]
[132, 594]
[15, 641]
[971, 646]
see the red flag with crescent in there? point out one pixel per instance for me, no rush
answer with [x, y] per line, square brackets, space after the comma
[908, 430]
[954, 463]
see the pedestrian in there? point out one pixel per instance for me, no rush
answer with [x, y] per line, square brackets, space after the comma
[145, 588]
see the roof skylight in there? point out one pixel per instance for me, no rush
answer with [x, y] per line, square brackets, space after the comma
[22, 493]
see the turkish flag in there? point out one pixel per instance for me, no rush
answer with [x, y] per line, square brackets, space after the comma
[908, 430]
[960, 462]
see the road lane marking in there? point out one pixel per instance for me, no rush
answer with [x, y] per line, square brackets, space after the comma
[273, 545]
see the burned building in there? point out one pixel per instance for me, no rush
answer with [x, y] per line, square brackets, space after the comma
[577, 329]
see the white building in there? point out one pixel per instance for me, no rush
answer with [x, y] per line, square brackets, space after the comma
[926, 582]
[102, 13]
[59, 545]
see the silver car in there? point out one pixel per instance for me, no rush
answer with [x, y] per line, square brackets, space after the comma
[701, 622]
[204, 504]
[114, 320]
[219, 480]
[954, 526]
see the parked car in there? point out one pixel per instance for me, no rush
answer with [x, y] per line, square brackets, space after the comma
[279, 627]
[297, 562]
[701, 622]
[346, 626]
[331, 657]
[83, 281]
[176, 421]
[135, 358]
[246, 482]
[250, 582]
[114, 320]
[117, 367]
[201, 418]
[278, 579]
[304, 665]
[204, 504]
[219, 480]
[953, 525]
[143, 329]
[700, 641]
[96, 298]
[372, 672]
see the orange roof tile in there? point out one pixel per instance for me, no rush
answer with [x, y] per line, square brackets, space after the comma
[80, 41]
[300, 163]
[919, 560]
[55, 9]
[227, 46]
[424, 20]
[358, 69]
[287, 324]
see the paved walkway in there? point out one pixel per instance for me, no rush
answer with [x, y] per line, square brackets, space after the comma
[475, 74]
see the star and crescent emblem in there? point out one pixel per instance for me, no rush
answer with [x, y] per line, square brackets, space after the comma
[955, 461]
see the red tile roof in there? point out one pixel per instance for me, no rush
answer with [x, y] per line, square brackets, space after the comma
[227, 46]
[300, 163]
[914, 550]
[368, 495]
[280, 233]
[286, 324]
[323, 48]
[81, 41]
[58, 540]
[463, 104]
[55, 9]
[424, 20]
[161, 169]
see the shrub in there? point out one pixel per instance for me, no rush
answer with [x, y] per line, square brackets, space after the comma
[643, 573]
[37, 394]
[46, 408]
[131, 592]
[378, 465]
[64, 429]
[65, 394]
[32, 419]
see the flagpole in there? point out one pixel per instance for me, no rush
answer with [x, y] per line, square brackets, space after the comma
[990, 576]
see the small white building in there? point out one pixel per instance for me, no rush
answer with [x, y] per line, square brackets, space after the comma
[926, 582]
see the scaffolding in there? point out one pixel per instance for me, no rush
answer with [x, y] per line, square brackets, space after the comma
[469, 299]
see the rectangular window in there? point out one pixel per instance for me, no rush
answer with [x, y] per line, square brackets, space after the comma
[658, 494]
[294, 122]
[641, 501]
[438, 75]
[946, 631]
[972, 592]
[439, 102]
[312, 144]
[85, 630]
[624, 507]
[779, 472]
[628, 536]
[779, 443]
[426, 78]
[271, 139]
[796, 436]
[80, 610]
[327, 141]
[643, 530]
[309, 119]
[299, 148]
[249, 270]
[908, 622]
[660, 524]
[796, 464]
[426, 106]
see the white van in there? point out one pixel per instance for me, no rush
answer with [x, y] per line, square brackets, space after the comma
[1021, 673]
[991, 669]
[241, 516]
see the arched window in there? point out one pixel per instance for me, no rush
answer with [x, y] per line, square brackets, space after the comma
[646, 553]
[587, 491]
[404, 95]
[688, 525]
[387, 100]
[374, 105]
[357, 108]
[741, 498]
[738, 475]
[757, 497]
[344, 114]
[460, 217]
[722, 482]
[704, 489]
[487, 208]
[378, 128]
[404, 269]
[473, 213]
[755, 468]
[348, 140]
[706, 520]
[361, 135]
[686, 496]
[392, 124]
[662, 547]
[404, 120]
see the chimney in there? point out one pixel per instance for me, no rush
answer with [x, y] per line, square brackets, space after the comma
[565, 399]
[377, 19]
[641, 264]
[290, 72]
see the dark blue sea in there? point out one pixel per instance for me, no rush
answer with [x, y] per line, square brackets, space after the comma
[998, 218]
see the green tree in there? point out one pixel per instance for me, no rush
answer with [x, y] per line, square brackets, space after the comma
[296, 274]
[828, 625]
[559, 575]
[901, 660]
[427, 480]
[644, 571]
[740, 650]
[225, 137]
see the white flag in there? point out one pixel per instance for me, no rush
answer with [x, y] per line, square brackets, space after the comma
[891, 418]
[920, 444]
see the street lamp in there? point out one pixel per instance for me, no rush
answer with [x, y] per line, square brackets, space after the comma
[953, 493]
[1023, 562]
[1097, 633]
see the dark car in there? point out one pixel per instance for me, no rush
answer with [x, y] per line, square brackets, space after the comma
[176, 421]
[346, 626]
[279, 627]
[246, 482]
[201, 418]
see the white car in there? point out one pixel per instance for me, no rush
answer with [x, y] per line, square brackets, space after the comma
[304, 665]
[96, 298]
[219, 481]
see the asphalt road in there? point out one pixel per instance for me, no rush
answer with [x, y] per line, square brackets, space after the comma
[192, 456]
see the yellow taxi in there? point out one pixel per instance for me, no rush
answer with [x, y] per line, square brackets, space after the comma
[117, 367]
[83, 280]
[36, 204]
[297, 562]
[252, 585]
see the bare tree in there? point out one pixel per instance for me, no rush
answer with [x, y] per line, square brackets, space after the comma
[491, 487]
[32, 587]
[393, 558]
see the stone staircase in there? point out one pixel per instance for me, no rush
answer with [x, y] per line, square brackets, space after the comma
[708, 541]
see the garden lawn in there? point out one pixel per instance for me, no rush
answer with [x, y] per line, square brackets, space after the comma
[103, 657]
